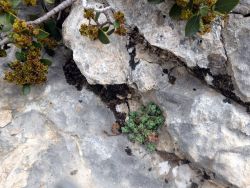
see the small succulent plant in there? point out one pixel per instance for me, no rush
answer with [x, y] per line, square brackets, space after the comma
[142, 125]
[95, 30]
[199, 13]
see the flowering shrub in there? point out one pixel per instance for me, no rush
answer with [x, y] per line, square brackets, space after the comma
[199, 13]
[29, 68]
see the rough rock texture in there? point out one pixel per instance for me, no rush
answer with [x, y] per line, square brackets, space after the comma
[236, 38]
[208, 129]
[145, 76]
[55, 138]
[161, 31]
[243, 7]
[99, 63]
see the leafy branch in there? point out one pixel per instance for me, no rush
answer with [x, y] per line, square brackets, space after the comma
[199, 14]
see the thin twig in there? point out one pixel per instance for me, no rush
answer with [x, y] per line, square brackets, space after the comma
[52, 12]
[61, 7]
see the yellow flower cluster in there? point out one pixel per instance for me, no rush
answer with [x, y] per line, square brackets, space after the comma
[5, 6]
[22, 40]
[30, 2]
[28, 69]
[90, 31]
[209, 18]
[89, 14]
[22, 33]
[120, 18]
[186, 14]
[49, 43]
[30, 72]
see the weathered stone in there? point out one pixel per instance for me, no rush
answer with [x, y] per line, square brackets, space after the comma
[56, 141]
[5, 117]
[243, 7]
[99, 63]
[168, 34]
[206, 129]
[146, 76]
[236, 38]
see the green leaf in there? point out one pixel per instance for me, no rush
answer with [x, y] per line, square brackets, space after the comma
[175, 11]
[155, 1]
[37, 44]
[15, 3]
[116, 24]
[21, 56]
[4, 22]
[204, 10]
[97, 15]
[42, 34]
[10, 17]
[225, 6]
[105, 29]
[51, 28]
[46, 62]
[103, 37]
[193, 25]
[26, 89]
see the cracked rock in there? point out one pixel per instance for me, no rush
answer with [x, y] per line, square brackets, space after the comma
[168, 34]
[56, 139]
[99, 63]
[236, 38]
[207, 130]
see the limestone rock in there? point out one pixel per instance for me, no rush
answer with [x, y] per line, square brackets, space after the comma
[236, 37]
[243, 7]
[161, 31]
[53, 140]
[147, 75]
[5, 117]
[210, 131]
[99, 63]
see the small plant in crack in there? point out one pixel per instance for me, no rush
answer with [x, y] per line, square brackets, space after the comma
[142, 125]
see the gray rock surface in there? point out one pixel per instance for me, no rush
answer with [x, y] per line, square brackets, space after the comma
[206, 128]
[55, 138]
[236, 38]
[243, 7]
[168, 34]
